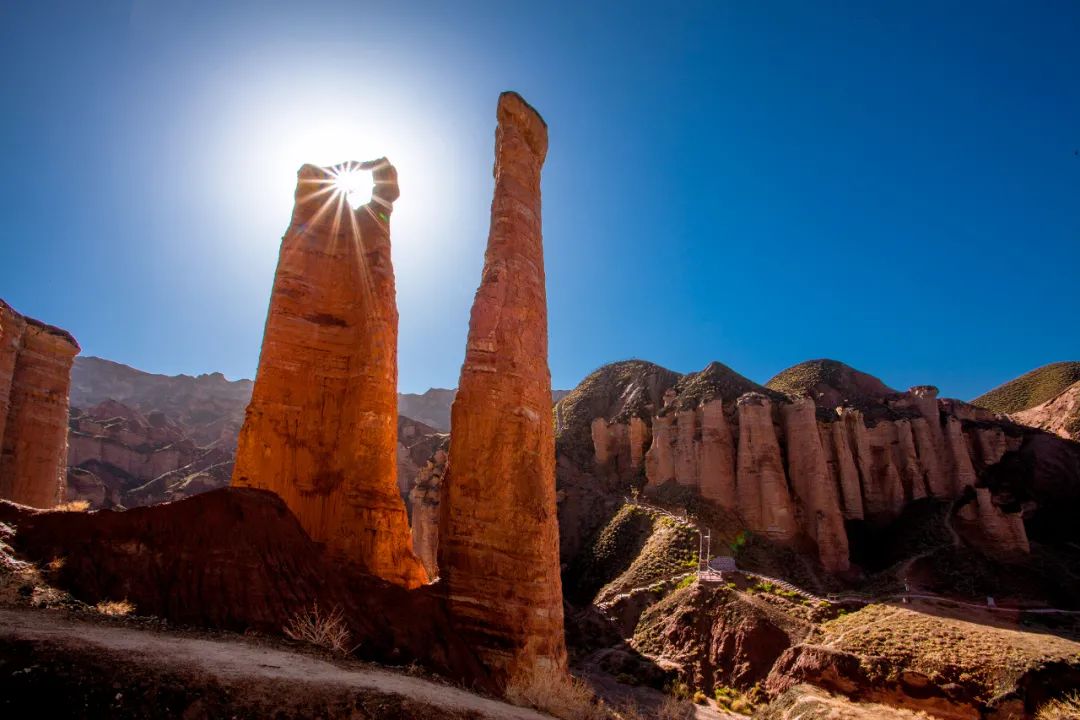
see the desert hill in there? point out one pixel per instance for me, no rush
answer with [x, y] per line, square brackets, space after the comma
[1030, 389]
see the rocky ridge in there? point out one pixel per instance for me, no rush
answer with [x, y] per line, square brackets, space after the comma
[796, 468]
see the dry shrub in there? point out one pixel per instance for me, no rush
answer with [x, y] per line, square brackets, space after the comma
[327, 630]
[674, 708]
[1066, 708]
[73, 506]
[556, 693]
[115, 608]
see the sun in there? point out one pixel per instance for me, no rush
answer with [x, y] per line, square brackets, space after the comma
[355, 184]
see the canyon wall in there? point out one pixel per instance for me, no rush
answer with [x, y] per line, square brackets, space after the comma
[498, 547]
[35, 378]
[327, 444]
[795, 468]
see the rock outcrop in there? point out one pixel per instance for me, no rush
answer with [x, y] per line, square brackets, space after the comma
[416, 444]
[236, 559]
[320, 429]
[424, 500]
[115, 455]
[794, 466]
[35, 379]
[813, 484]
[498, 552]
[1059, 415]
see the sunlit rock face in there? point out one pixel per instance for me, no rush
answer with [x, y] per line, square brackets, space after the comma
[35, 379]
[498, 549]
[320, 430]
[802, 467]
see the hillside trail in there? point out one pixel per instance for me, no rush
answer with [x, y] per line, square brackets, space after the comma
[242, 660]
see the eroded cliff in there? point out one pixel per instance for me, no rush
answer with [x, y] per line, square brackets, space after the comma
[35, 379]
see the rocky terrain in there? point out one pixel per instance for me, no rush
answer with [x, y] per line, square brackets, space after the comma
[432, 407]
[314, 515]
[137, 438]
[1047, 398]
[690, 545]
[35, 377]
[828, 490]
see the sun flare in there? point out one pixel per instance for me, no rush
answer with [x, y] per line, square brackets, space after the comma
[354, 183]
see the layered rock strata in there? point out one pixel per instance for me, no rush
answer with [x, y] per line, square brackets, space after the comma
[35, 379]
[498, 551]
[320, 429]
[792, 467]
[424, 500]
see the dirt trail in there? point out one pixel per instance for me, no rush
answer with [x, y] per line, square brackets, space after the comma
[242, 662]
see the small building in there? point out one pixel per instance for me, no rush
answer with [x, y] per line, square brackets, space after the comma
[723, 564]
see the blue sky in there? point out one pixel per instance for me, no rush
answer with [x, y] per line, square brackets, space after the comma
[894, 185]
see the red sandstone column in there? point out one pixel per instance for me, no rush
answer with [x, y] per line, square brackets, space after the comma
[499, 534]
[35, 379]
[321, 429]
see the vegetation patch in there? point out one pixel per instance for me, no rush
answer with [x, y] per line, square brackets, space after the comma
[671, 549]
[985, 659]
[610, 553]
[1030, 389]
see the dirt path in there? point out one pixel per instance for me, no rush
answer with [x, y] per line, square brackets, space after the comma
[238, 661]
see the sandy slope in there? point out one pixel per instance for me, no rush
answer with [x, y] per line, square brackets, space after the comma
[244, 672]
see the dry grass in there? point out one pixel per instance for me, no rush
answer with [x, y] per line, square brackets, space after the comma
[676, 709]
[115, 608]
[556, 693]
[1066, 708]
[1030, 389]
[950, 649]
[326, 630]
[73, 506]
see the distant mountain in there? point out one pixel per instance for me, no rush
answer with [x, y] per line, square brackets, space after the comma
[433, 407]
[138, 438]
[1031, 389]
[208, 407]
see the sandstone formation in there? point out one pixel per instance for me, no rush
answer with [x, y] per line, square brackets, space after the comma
[35, 377]
[236, 559]
[138, 438]
[1001, 533]
[823, 518]
[795, 467]
[761, 489]
[1059, 415]
[424, 500]
[498, 552]
[320, 429]
[416, 444]
[118, 457]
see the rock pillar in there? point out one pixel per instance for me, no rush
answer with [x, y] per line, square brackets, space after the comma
[321, 428]
[498, 530]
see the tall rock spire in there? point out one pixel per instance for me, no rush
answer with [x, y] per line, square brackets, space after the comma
[321, 429]
[499, 534]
